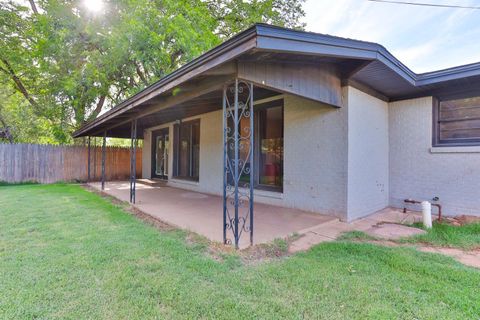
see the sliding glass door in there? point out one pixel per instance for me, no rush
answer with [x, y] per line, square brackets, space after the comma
[268, 156]
[160, 141]
[270, 147]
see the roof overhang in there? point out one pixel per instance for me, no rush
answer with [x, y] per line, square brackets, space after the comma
[367, 64]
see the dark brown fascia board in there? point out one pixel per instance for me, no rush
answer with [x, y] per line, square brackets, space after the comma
[245, 38]
[287, 40]
[209, 86]
[272, 38]
[464, 71]
[294, 41]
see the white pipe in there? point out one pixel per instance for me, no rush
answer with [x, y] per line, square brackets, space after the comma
[427, 214]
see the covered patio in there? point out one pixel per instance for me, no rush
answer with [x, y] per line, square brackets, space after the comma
[220, 124]
[202, 213]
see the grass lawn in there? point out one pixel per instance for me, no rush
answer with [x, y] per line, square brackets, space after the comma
[442, 234]
[68, 253]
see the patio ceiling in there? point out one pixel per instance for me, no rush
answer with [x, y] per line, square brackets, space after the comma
[207, 102]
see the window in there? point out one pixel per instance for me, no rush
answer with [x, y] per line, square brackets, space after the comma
[268, 139]
[457, 122]
[187, 150]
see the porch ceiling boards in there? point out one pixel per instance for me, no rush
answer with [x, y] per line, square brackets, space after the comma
[208, 102]
[307, 64]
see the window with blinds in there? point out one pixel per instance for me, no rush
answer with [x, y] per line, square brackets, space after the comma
[457, 122]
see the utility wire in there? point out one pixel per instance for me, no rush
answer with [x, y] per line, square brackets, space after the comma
[427, 4]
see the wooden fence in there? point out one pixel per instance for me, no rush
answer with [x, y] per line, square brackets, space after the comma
[48, 163]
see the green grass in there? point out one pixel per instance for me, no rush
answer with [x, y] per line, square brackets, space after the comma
[445, 235]
[355, 236]
[66, 253]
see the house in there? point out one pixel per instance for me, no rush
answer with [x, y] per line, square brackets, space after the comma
[324, 124]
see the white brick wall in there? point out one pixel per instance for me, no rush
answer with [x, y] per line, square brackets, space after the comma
[384, 148]
[367, 154]
[416, 172]
[210, 175]
[315, 156]
[315, 159]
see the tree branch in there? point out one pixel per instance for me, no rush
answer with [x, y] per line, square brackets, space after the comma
[98, 108]
[140, 74]
[18, 83]
[34, 6]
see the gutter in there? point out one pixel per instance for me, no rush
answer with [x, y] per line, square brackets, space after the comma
[332, 46]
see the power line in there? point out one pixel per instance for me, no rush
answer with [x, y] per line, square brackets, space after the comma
[427, 4]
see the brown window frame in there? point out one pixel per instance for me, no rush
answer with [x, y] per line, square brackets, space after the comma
[177, 127]
[436, 141]
[257, 146]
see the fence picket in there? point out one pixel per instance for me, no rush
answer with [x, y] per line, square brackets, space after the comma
[48, 163]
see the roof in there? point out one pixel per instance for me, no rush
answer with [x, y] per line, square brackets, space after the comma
[379, 71]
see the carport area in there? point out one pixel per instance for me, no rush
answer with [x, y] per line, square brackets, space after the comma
[202, 213]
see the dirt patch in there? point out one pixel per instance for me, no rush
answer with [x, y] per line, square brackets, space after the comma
[393, 231]
[470, 258]
[157, 223]
[265, 252]
[462, 220]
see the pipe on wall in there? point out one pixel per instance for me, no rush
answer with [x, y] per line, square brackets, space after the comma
[437, 205]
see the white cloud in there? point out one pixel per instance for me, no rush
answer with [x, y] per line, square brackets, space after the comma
[424, 38]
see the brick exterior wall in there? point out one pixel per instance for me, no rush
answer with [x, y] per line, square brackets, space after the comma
[316, 182]
[416, 172]
[351, 161]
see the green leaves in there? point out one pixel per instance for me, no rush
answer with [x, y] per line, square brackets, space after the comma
[68, 64]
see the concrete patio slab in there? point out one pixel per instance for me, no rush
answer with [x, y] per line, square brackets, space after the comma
[331, 230]
[202, 213]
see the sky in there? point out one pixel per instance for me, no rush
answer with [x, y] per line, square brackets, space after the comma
[423, 38]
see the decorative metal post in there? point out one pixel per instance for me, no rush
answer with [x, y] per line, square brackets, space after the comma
[104, 147]
[88, 161]
[133, 160]
[238, 148]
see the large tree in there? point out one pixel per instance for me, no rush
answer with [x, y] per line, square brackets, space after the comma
[62, 64]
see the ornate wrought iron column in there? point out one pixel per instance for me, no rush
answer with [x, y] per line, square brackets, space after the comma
[238, 166]
[104, 147]
[133, 160]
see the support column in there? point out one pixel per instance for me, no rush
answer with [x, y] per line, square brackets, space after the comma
[88, 161]
[104, 147]
[225, 167]
[238, 172]
[94, 158]
[252, 165]
[133, 160]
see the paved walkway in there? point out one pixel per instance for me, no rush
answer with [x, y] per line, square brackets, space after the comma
[202, 213]
[333, 229]
[389, 229]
